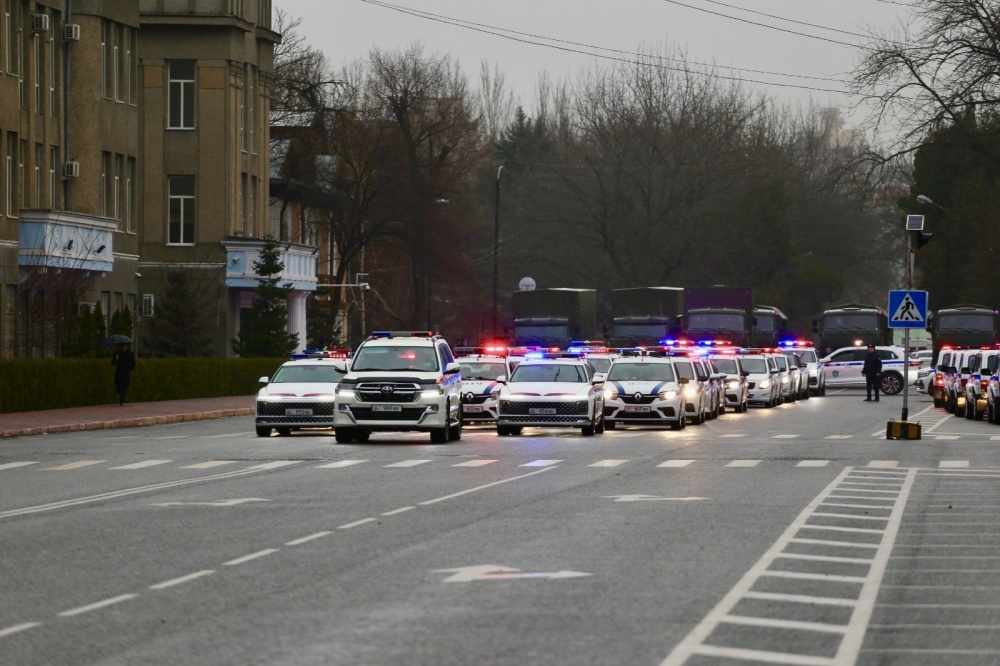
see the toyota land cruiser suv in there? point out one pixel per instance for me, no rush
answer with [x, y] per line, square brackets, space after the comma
[400, 382]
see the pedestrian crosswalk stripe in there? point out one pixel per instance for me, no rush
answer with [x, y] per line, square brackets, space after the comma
[608, 463]
[953, 464]
[475, 463]
[676, 463]
[883, 463]
[839, 437]
[408, 463]
[540, 463]
[813, 463]
[995, 438]
[144, 463]
[210, 464]
[784, 437]
[947, 437]
[275, 464]
[15, 465]
[73, 465]
[732, 436]
[340, 464]
[743, 463]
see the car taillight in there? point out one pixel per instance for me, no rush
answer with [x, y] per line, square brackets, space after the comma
[964, 382]
[984, 383]
[938, 380]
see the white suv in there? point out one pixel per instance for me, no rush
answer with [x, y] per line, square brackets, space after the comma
[400, 382]
[552, 393]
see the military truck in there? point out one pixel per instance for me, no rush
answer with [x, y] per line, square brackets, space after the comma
[553, 317]
[645, 316]
[770, 326]
[851, 324]
[718, 313]
[964, 325]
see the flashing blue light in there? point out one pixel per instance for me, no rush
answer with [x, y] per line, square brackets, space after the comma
[706, 343]
[381, 334]
[668, 342]
[535, 355]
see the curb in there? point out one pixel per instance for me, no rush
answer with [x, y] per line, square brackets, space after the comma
[127, 423]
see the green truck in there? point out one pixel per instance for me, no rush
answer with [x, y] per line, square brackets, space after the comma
[553, 317]
[645, 316]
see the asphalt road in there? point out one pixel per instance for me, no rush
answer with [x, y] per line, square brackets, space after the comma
[795, 535]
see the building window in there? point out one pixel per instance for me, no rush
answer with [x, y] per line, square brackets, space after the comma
[252, 206]
[131, 72]
[21, 189]
[5, 34]
[181, 94]
[243, 109]
[119, 172]
[120, 67]
[9, 174]
[105, 184]
[182, 210]
[243, 204]
[129, 193]
[39, 163]
[105, 58]
[53, 161]
[36, 71]
[53, 72]
[252, 114]
[18, 61]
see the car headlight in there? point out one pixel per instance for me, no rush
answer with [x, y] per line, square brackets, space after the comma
[344, 392]
[432, 393]
[667, 395]
[610, 394]
[494, 395]
[733, 385]
[765, 384]
[690, 391]
[784, 380]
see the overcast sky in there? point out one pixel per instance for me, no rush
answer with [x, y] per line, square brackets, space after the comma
[348, 29]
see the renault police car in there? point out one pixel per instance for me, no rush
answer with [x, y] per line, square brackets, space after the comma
[696, 386]
[551, 393]
[643, 390]
[763, 383]
[300, 394]
[481, 377]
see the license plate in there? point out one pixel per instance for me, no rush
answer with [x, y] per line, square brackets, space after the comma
[472, 409]
[542, 411]
[387, 408]
[298, 412]
[641, 409]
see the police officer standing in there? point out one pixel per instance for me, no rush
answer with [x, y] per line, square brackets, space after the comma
[872, 372]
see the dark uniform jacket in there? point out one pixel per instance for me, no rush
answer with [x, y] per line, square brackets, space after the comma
[124, 362]
[873, 365]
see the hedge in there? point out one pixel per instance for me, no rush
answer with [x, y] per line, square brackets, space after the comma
[28, 384]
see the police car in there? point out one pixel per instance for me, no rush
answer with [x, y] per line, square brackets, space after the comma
[956, 376]
[763, 379]
[481, 377]
[697, 387]
[551, 392]
[982, 365]
[789, 377]
[643, 390]
[300, 394]
[736, 386]
[842, 368]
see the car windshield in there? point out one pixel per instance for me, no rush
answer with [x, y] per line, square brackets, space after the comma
[765, 323]
[549, 372]
[807, 356]
[652, 330]
[684, 369]
[600, 364]
[727, 366]
[717, 321]
[850, 322]
[782, 362]
[395, 358]
[754, 366]
[541, 332]
[478, 370]
[641, 372]
[307, 374]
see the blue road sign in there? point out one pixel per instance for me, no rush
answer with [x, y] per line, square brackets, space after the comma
[907, 309]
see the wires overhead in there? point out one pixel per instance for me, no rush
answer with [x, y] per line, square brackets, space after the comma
[787, 20]
[568, 46]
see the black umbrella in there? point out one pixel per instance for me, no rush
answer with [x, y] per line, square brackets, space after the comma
[116, 339]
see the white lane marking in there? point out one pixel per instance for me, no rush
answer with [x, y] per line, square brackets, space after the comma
[935, 426]
[862, 497]
[210, 464]
[144, 463]
[995, 438]
[15, 465]
[817, 627]
[275, 464]
[743, 463]
[100, 604]
[824, 558]
[183, 579]
[830, 528]
[340, 464]
[627, 435]
[762, 656]
[813, 463]
[73, 465]
[408, 463]
[879, 484]
[18, 628]
[946, 437]
[485, 486]
[731, 436]
[540, 463]
[883, 463]
[230, 502]
[953, 464]
[307, 539]
[871, 490]
[652, 498]
[676, 463]
[813, 576]
[827, 542]
[228, 434]
[251, 556]
[356, 523]
[402, 510]
[839, 437]
[608, 463]
[800, 599]
[850, 515]
[156, 439]
[785, 437]
[475, 463]
[859, 506]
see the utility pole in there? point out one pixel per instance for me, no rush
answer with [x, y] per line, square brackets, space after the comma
[496, 251]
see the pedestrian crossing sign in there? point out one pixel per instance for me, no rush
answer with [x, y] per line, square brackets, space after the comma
[907, 309]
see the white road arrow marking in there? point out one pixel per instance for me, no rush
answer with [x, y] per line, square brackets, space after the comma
[497, 572]
[232, 502]
[652, 498]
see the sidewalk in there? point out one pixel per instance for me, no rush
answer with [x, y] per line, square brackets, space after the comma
[99, 417]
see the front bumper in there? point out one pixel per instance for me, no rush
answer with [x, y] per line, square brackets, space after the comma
[658, 410]
[547, 413]
[422, 415]
[760, 395]
[296, 413]
[479, 412]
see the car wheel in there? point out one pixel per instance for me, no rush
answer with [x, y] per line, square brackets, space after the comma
[599, 427]
[938, 402]
[610, 425]
[977, 414]
[344, 435]
[441, 435]
[516, 430]
[263, 432]
[503, 431]
[362, 436]
[891, 383]
[805, 394]
[949, 404]
[588, 431]
[284, 432]
[456, 430]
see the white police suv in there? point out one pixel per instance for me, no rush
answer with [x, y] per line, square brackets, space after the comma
[643, 391]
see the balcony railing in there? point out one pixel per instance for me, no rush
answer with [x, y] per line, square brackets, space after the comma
[300, 264]
[200, 7]
[65, 240]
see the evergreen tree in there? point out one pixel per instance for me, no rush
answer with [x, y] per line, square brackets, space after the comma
[116, 323]
[126, 322]
[176, 328]
[264, 327]
[100, 330]
[88, 339]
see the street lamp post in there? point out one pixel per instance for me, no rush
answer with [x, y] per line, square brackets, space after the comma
[496, 250]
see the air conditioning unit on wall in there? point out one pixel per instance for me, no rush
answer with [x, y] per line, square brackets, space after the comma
[39, 22]
[71, 170]
[71, 33]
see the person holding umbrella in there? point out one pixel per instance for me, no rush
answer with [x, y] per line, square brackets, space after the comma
[124, 361]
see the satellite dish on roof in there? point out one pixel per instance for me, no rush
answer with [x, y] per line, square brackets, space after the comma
[526, 284]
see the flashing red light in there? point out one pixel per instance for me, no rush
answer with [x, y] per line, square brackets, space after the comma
[408, 356]
[939, 380]
[984, 384]
[553, 350]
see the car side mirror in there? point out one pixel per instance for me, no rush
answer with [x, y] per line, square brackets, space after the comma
[703, 378]
[598, 378]
[683, 380]
[340, 367]
[452, 368]
[263, 380]
[745, 373]
[502, 379]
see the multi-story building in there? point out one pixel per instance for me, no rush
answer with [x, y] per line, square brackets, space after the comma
[134, 145]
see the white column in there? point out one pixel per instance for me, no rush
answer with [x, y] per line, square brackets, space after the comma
[297, 316]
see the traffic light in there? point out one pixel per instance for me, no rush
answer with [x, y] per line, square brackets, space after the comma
[919, 238]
